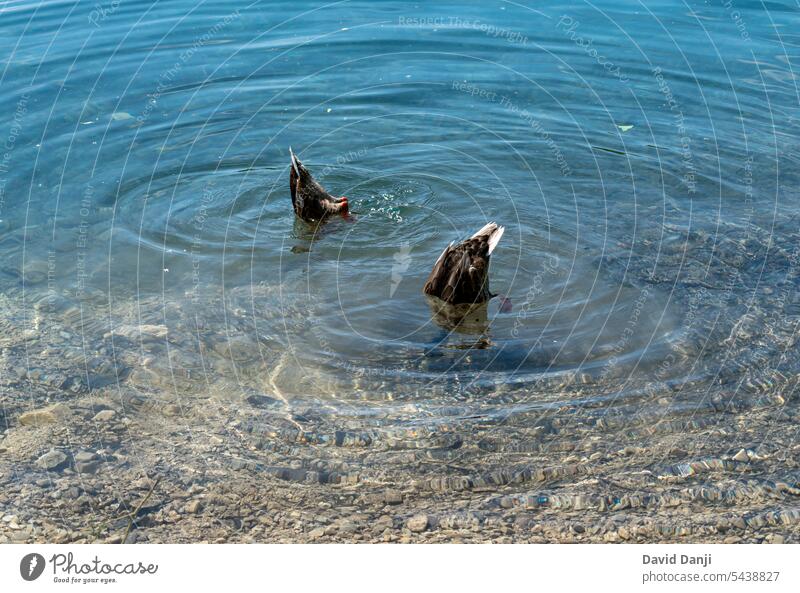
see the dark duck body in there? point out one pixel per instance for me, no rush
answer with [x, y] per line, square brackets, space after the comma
[310, 200]
[461, 274]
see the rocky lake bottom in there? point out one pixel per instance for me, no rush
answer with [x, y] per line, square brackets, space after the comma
[137, 419]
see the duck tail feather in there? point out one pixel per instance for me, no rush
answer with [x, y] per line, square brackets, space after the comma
[486, 229]
[492, 231]
[294, 162]
[494, 239]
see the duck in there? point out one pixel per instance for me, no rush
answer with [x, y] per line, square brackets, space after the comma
[310, 200]
[461, 274]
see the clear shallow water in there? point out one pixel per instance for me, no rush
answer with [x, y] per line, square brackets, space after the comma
[643, 159]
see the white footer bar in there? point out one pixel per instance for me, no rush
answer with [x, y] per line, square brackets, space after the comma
[385, 568]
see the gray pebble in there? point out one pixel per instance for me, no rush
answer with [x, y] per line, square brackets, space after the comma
[87, 467]
[417, 523]
[84, 456]
[51, 460]
[741, 456]
[104, 416]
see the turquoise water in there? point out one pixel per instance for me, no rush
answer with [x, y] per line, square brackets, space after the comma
[643, 158]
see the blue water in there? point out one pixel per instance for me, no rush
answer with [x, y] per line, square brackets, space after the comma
[643, 158]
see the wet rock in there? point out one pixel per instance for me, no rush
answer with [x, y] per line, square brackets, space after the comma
[260, 400]
[104, 416]
[172, 410]
[383, 523]
[193, 507]
[86, 462]
[738, 522]
[144, 332]
[238, 348]
[49, 415]
[347, 526]
[393, 497]
[417, 523]
[741, 456]
[73, 492]
[51, 460]
[84, 456]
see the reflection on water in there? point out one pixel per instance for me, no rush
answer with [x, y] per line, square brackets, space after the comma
[465, 319]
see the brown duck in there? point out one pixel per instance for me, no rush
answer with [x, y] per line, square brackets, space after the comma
[310, 200]
[461, 274]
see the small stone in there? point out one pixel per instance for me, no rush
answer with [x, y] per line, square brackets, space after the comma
[104, 416]
[316, 533]
[49, 415]
[87, 467]
[51, 460]
[777, 538]
[193, 507]
[418, 523]
[143, 332]
[384, 522]
[741, 456]
[83, 456]
[347, 526]
[393, 497]
[260, 400]
[172, 410]
[73, 492]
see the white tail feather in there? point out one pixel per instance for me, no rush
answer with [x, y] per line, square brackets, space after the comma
[294, 161]
[495, 238]
[493, 231]
[486, 229]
